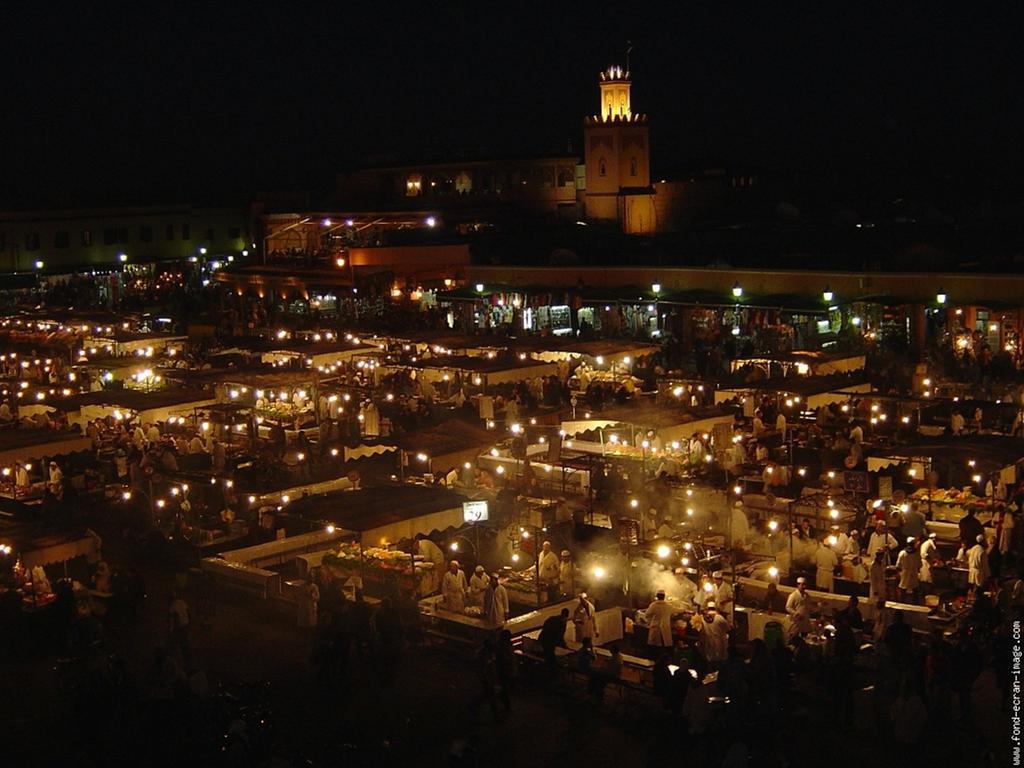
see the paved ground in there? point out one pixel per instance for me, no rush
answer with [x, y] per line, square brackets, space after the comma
[416, 718]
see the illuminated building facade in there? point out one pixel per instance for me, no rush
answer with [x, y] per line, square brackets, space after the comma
[617, 158]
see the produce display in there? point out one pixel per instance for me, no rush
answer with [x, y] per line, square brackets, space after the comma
[962, 498]
[348, 553]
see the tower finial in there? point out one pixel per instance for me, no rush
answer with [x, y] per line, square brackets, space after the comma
[629, 49]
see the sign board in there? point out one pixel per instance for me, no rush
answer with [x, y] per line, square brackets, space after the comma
[885, 487]
[856, 482]
[474, 511]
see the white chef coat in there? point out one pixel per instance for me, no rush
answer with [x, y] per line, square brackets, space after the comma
[715, 639]
[583, 619]
[477, 585]
[453, 587]
[740, 527]
[547, 567]
[499, 606]
[909, 565]
[798, 606]
[928, 549]
[880, 541]
[566, 577]
[825, 561]
[659, 623]
[977, 565]
[876, 574]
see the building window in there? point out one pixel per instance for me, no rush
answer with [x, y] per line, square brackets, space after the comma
[3, 241]
[31, 241]
[414, 185]
[86, 237]
[186, 232]
[146, 234]
[122, 235]
[632, 166]
[109, 236]
[169, 234]
[234, 233]
[601, 169]
[209, 235]
[60, 239]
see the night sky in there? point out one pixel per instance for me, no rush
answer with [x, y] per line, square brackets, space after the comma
[168, 102]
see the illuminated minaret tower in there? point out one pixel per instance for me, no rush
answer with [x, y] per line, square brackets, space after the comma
[617, 158]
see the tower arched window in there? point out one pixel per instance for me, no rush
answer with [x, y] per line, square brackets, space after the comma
[601, 168]
[632, 166]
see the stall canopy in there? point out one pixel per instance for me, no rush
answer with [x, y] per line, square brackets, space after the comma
[448, 444]
[59, 549]
[802, 363]
[385, 514]
[989, 453]
[34, 444]
[150, 406]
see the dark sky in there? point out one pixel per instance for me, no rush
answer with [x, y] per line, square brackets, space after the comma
[165, 100]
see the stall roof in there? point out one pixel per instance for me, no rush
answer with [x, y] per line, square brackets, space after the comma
[475, 364]
[371, 508]
[445, 438]
[298, 346]
[17, 438]
[122, 336]
[649, 414]
[993, 451]
[800, 385]
[265, 377]
[810, 357]
[130, 399]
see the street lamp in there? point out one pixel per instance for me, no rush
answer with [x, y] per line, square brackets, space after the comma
[656, 288]
[940, 297]
[827, 294]
[737, 290]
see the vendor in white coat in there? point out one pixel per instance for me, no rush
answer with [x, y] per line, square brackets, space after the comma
[547, 567]
[908, 563]
[880, 540]
[977, 565]
[432, 553]
[722, 595]
[714, 636]
[453, 587]
[496, 602]
[659, 622]
[851, 543]
[583, 619]
[876, 576]
[929, 555]
[740, 526]
[825, 561]
[798, 607]
[566, 574]
[477, 586]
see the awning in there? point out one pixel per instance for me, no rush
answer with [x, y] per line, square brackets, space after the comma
[365, 451]
[62, 550]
